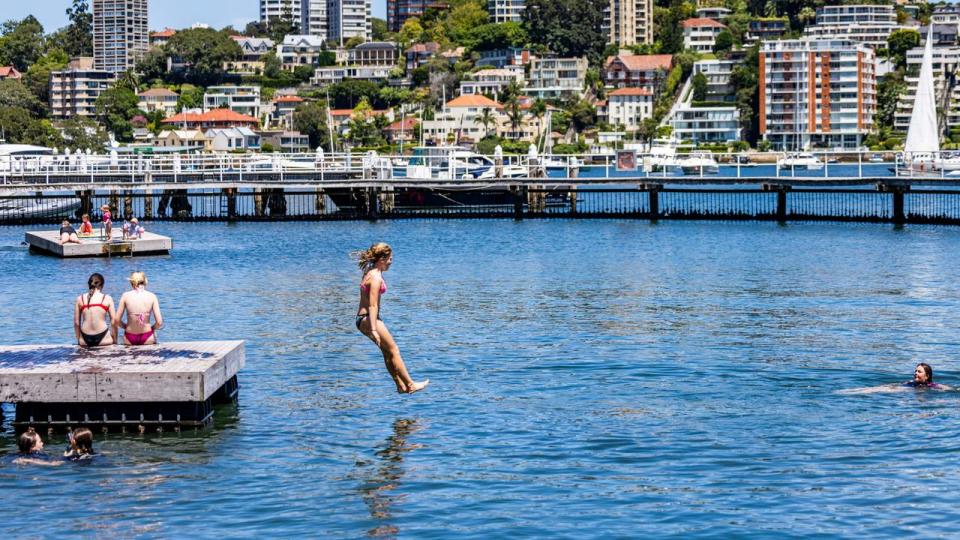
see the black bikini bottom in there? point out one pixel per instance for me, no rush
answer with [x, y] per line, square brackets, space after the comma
[95, 339]
[362, 316]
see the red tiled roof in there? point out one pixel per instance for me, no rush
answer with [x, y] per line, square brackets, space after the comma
[701, 22]
[474, 100]
[601, 103]
[166, 32]
[9, 71]
[405, 125]
[643, 62]
[216, 115]
[634, 91]
[288, 99]
[431, 47]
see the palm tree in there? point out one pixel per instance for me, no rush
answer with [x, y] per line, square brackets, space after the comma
[128, 79]
[486, 118]
[514, 113]
[538, 109]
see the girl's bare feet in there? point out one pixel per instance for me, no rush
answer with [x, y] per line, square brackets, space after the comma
[417, 386]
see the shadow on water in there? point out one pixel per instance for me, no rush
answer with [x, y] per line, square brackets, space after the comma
[377, 486]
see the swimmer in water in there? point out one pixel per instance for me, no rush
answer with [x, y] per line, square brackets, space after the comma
[373, 263]
[923, 378]
[31, 449]
[81, 445]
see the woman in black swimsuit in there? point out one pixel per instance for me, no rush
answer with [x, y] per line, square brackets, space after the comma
[90, 316]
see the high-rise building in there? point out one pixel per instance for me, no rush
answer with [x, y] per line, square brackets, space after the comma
[120, 35]
[502, 11]
[347, 19]
[817, 93]
[628, 22]
[74, 90]
[398, 11]
[275, 9]
[313, 18]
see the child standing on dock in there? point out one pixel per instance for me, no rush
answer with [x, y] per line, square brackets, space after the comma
[139, 304]
[373, 263]
[107, 222]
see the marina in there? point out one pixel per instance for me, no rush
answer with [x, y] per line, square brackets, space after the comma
[171, 385]
[48, 242]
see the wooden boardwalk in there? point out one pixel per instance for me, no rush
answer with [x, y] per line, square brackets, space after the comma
[49, 242]
[67, 385]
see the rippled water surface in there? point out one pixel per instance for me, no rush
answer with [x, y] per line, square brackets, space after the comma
[589, 379]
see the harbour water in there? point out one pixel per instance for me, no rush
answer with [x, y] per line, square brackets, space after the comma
[589, 380]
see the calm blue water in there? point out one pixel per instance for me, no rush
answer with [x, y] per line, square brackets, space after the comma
[590, 380]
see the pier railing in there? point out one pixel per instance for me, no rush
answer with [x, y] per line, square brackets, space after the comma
[74, 171]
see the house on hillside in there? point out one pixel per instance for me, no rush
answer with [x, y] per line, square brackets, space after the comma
[10, 72]
[637, 70]
[158, 99]
[700, 34]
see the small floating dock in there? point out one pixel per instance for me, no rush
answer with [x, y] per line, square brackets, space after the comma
[120, 388]
[96, 246]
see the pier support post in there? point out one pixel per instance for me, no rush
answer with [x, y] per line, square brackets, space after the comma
[276, 202]
[321, 202]
[258, 206]
[231, 195]
[897, 190]
[148, 204]
[782, 203]
[373, 204]
[519, 196]
[86, 200]
[180, 204]
[127, 204]
[114, 200]
[653, 190]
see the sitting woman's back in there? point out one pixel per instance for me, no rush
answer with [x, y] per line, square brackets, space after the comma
[139, 304]
[90, 313]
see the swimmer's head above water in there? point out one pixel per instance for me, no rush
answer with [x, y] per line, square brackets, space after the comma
[379, 254]
[923, 375]
[29, 442]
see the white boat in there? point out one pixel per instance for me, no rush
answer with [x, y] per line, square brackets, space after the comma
[921, 151]
[34, 208]
[799, 161]
[455, 162]
[16, 158]
[661, 159]
[699, 163]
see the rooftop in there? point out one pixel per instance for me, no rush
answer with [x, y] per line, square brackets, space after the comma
[643, 62]
[474, 100]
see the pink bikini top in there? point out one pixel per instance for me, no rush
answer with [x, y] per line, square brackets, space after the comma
[365, 287]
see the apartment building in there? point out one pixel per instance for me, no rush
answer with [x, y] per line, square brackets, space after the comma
[502, 11]
[240, 99]
[945, 62]
[492, 81]
[398, 11]
[700, 34]
[374, 53]
[313, 17]
[120, 34]
[556, 77]
[870, 24]
[816, 93]
[275, 9]
[74, 91]
[629, 107]
[347, 19]
[628, 22]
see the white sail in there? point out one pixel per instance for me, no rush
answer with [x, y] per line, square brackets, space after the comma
[923, 135]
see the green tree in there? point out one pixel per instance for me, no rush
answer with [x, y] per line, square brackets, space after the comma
[889, 91]
[464, 18]
[379, 29]
[37, 78]
[115, 107]
[191, 97]
[348, 93]
[78, 36]
[21, 43]
[745, 79]
[724, 42]
[411, 31]
[514, 113]
[899, 42]
[699, 83]
[486, 118]
[16, 95]
[204, 51]
[310, 118]
[272, 67]
[79, 132]
[153, 64]
[284, 25]
[806, 15]
[20, 126]
[770, 9]
[582, 115]
[568, 28]
[488, 37]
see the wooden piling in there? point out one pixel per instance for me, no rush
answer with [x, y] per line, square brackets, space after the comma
[320, 204]
[148, 204]
[127, 204]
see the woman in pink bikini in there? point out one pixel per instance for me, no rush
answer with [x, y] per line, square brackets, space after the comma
[139, 304]
[373, 263]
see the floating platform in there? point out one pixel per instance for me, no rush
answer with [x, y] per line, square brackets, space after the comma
[119, 387]
[49, 242]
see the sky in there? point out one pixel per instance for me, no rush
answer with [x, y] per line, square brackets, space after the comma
[163, 13]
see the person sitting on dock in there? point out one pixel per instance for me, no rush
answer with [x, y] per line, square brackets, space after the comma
[81, 445]
[68, 235]
[136, 230]
[923, 378]
[86, 228]
[90, 316]
[139, 304]
[107, 222]
[374, 262]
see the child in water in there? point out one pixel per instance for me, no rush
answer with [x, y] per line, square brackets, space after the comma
[31, 449]
[81, 445]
